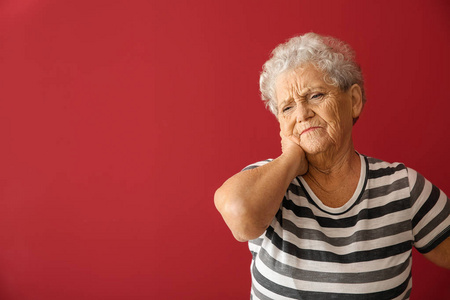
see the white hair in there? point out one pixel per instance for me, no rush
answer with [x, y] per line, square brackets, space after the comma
[333, 57]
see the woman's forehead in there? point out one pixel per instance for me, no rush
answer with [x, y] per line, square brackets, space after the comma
[300, 80]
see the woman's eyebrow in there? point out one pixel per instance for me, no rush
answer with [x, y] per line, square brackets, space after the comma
[302, 94]
[284, 102]
[310, 89]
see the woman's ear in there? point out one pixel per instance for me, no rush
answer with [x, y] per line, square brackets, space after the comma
[357, 105]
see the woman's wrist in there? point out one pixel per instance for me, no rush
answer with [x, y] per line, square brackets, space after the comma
[295, 162]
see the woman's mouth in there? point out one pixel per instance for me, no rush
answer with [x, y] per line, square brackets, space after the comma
[309, 129]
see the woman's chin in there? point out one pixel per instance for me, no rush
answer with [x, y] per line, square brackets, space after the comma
[314, 147]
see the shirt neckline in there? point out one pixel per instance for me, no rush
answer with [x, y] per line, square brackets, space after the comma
[356, 195]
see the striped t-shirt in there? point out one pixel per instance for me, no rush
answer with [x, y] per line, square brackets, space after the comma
[361, 250]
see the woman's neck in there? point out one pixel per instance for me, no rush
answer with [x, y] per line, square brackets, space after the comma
[334, 178]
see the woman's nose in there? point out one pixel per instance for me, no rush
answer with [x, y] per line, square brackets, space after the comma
[303, 112]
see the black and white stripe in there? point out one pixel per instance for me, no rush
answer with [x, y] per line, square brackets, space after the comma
[361, 250]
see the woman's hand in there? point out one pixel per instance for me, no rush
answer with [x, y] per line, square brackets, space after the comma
[290, 147]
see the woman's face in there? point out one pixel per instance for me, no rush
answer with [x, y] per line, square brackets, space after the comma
[317, 114]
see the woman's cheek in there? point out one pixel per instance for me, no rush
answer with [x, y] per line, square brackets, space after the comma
[287, 126]
[295, 131]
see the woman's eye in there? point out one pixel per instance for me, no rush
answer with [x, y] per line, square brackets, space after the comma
[287, 108]
[316, 96]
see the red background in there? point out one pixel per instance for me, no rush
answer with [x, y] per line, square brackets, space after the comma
[119, 120]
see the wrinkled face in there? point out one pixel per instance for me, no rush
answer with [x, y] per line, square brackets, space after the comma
[319, 114]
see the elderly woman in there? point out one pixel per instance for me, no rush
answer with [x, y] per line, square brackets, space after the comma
[322, 220]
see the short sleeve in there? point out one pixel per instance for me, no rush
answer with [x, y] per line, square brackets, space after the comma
[257, 164]
[430, 213]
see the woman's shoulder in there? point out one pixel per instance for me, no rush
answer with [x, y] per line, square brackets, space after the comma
[392, 171]
[382, 167]
[376, 162]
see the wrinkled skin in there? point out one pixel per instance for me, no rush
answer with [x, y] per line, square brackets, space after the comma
[315, 115]
[305, 101]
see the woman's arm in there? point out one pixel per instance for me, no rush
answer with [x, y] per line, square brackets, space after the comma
[441, 254]
[249, 200]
